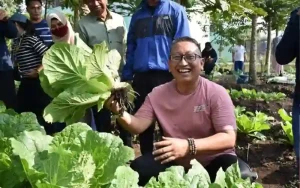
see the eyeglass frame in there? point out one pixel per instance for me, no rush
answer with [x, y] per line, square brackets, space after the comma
[184, 57]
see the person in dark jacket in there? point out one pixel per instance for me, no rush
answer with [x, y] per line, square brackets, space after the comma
[8, 92]
[210, 58]
[286, 51]
[152, 29]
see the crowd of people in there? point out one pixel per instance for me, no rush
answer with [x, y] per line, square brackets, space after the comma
[161, 61]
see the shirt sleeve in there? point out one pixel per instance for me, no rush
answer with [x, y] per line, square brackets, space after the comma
[146, 111]
[39, 47]
[82, 33]
[222, 108]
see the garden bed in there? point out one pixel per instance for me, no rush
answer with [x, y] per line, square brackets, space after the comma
[271, 159]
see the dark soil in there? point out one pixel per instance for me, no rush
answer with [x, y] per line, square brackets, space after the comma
[272, 160]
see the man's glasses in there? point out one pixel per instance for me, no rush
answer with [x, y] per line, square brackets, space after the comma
[190, 58]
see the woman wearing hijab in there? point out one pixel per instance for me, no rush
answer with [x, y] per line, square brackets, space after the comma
[62, 31]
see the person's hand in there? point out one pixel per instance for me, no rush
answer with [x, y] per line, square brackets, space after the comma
[170, 149]
[32, 73]
[112, 105]
[3, 14]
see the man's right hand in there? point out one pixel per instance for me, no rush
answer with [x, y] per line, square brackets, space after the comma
[3, 15]
[112, 105]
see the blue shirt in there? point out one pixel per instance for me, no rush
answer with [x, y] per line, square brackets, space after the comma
[150, 36]
[43, 31]
[7, 30]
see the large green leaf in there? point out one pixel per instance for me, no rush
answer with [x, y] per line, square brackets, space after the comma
[70, 106]
[64, 66]
[46, 85]
[64, 169]
[125, 177]
[13, 125]
[28, 144]
[67, 138]
[108, 153]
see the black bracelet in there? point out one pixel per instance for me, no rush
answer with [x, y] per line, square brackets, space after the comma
[192, 146]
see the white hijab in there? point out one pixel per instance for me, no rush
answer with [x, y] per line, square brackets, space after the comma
[69, 37]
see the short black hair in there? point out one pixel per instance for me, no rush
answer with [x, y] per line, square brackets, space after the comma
[187, 39]
[27, 2]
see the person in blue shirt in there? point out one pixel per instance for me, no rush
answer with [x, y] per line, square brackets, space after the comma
[8, 92]
[286, 51]
[34, 9]
[152, 29]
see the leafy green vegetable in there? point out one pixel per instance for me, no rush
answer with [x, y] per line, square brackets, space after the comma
[287, 125]
[250, 123]
[78, 80]
[254, 95]
[125, 177]
[197, 176]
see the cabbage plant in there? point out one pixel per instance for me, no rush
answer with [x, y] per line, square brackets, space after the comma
[78, 80]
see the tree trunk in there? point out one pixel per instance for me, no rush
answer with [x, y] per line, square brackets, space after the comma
[253, 51]
[268, 52]
[277, 32]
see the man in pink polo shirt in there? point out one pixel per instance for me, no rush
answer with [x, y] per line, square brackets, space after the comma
[196, 117]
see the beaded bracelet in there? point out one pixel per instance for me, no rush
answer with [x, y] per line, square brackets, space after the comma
[192, 146]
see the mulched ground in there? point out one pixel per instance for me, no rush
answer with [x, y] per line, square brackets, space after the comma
[272, 160]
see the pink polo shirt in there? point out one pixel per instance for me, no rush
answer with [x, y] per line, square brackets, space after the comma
[205, 112]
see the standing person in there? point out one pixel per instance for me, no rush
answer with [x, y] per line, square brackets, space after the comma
[98, 26]
[210, 57]
[151, 32]
[62, 31]
[34, 9]
[42, 30]
[29, 53]
[239, 56]
[286, 51]
[8, 91]
[277, 68]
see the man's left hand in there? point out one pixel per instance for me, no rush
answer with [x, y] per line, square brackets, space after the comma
[170, 149]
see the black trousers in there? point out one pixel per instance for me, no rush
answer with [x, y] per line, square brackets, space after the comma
[8, 90]
[32, 98]
[147, 167]
[103, 124]
[143, 84]
[209, 67]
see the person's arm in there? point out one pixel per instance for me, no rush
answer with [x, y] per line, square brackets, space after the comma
[82, 33]
[134, 124]
[127, 73]
[233, 54]
[182, 24]
[214, 55]
[288, 47]
[40, 48]
[224, 122]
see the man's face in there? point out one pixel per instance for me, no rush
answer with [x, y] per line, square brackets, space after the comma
[153, 3]
[207, 46]
[35, 10]
[96, 6]
[190, 66]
